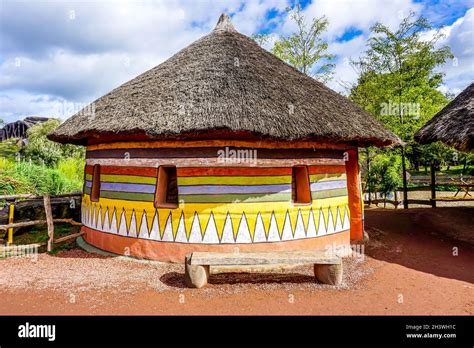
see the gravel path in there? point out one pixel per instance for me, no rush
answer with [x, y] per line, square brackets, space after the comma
[78, 271]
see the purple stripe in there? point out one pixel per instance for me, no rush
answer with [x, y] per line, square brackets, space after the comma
[126, 187]
[328, 185]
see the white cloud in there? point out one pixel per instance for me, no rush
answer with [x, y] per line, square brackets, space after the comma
[460, 37]
[360, 14]
[74, 57]
[74, 76]
[80, 50]
[19, 103]
[347, 15]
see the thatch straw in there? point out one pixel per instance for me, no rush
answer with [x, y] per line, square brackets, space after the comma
[454, 125]
[225, 82]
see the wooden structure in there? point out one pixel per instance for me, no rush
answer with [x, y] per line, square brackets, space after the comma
[454, 126]
[49, 221]
[464, 185]
[327, 269]
[222, 146]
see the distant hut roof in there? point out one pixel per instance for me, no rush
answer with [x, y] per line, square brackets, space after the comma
[454, 125]
[17, 129]
[224, 82]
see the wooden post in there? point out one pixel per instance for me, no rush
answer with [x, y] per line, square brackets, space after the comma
[11, 209]
[354, 194]
[433, 185]
[368, 176]
[49, 220]
[405, 182]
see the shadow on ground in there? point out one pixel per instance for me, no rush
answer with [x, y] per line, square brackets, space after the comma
[175, 279]
[439, 241]
[80, 254]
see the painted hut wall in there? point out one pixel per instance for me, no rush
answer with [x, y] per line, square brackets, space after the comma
[220, 203]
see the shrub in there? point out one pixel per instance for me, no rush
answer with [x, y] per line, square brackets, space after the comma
[41, 150]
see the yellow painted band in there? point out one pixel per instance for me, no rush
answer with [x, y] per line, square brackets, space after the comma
[234, 180]
[219, 207]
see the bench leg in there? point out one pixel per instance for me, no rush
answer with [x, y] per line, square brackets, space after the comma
[195, 276]
[328, 274]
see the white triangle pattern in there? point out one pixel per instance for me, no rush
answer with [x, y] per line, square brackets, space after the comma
[92, 218]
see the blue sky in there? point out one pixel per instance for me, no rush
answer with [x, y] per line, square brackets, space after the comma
[58, 56]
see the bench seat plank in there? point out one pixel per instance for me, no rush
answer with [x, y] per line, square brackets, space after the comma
[264, 258]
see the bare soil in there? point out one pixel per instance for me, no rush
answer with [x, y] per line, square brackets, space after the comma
[418, 261]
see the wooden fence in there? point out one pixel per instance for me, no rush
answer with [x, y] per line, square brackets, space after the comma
[49, 221]
[464, 185]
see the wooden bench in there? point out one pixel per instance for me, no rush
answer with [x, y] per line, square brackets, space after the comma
[327, 269]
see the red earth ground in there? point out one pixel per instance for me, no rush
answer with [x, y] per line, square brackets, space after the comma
[418, 261]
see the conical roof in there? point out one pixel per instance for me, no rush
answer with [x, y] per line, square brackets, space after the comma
[454, 124]
[224, 82]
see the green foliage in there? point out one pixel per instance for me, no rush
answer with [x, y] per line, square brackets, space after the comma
[261, 39]
[9, 183]
[385, 171]
[41, 150]
[436, 153]
[398, 84]
[72, 168]
[399, 76]
[41, 166]
[9, 148]
[304, 49]
[29, 177]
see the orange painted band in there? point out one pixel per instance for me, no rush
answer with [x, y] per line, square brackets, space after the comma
[223, 143]
[175, 252]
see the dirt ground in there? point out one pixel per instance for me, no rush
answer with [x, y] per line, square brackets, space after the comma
[418, 261]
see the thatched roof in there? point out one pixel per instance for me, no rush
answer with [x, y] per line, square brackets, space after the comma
[454, 125]
[224, 82]
[18, 128]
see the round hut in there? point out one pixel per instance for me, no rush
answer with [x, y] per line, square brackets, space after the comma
[222, 147]
[454, 124]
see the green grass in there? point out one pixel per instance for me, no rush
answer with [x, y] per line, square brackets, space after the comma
[28, 177]
[453, 171]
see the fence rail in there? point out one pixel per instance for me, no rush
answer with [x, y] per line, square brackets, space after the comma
[464, 184]
[441, 179]
[12, 199]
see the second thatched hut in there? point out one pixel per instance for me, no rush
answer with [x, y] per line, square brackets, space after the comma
[454, 124]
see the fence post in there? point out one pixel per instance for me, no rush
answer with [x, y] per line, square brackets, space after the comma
[433, 185]
[11, 209]
[49, 220]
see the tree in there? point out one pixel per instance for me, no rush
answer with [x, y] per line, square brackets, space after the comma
[261, 39]
[40, 149]
[398, 76]
[304, 49]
